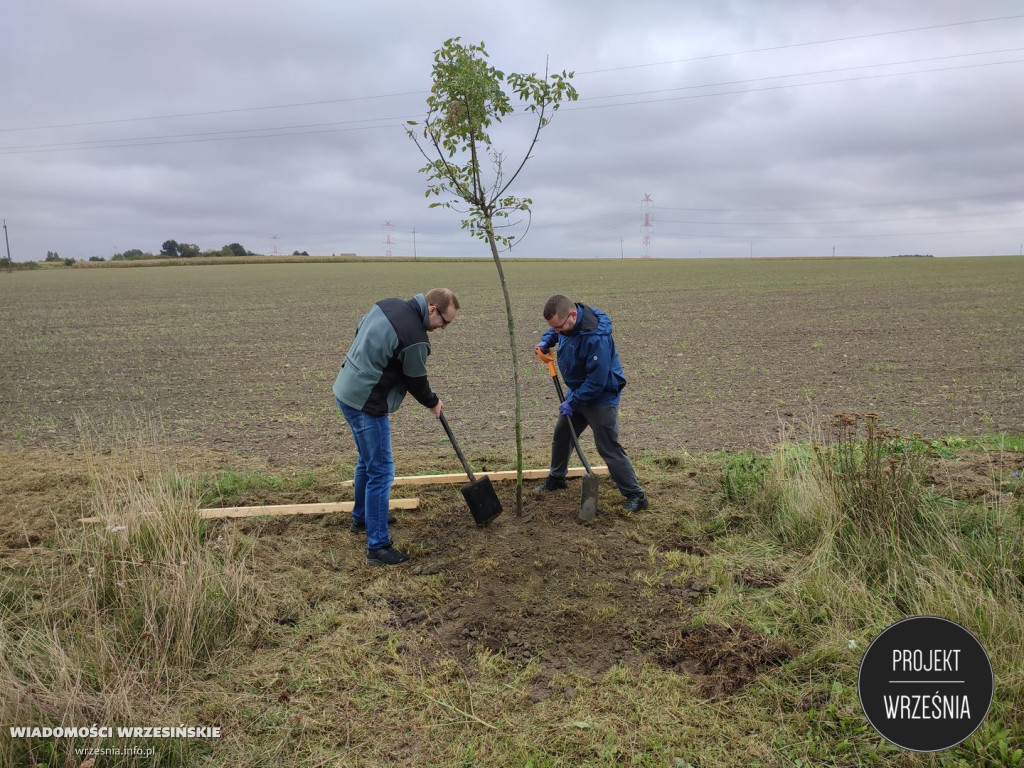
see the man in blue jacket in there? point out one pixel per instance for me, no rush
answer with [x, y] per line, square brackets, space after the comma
[593, 375]
[387, 359]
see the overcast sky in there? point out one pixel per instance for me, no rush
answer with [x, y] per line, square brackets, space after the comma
[756, 127]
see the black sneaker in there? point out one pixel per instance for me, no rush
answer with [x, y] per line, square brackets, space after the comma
[551, 484]
[361, 527]
[385, 556]
[635, 503]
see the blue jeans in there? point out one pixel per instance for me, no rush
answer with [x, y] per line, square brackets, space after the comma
[375, 470]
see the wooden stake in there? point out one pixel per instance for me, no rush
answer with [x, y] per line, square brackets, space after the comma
[284, 509]
[460, 477]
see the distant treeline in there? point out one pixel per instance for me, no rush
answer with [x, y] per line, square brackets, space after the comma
[204, 260]
[164, 261]
[172, 249]
[915, 256]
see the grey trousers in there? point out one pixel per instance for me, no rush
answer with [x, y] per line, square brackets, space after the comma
[603, 421]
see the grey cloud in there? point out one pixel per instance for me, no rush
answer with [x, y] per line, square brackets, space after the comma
[951, 134]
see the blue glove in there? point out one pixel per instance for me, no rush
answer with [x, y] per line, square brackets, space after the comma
[565, 409]
[544, 348]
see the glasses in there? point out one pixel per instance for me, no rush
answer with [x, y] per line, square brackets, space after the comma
[444, 321]
[561, 326]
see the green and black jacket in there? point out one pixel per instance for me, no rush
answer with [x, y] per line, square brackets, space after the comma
[388, 358]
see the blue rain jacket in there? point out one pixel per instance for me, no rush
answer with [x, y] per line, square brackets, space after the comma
[587, 359]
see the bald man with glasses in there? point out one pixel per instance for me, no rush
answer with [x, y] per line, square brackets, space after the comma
[387, 359]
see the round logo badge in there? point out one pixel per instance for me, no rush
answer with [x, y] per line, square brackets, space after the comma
[925, 684]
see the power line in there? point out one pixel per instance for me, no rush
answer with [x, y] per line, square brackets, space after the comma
[837, 221]
[807, 74]
[197, 141]
[788, 85]
[745, 238]
[82, 144]
[844, 237]
[215, 112]
[799, 45]
[613, 218]
[188, 138]
[577, 72]
[854, 205]
[619, 213]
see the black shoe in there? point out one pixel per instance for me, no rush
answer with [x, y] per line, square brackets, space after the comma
[635, 503]
[551, 484]
[385, 556]
[361, 527]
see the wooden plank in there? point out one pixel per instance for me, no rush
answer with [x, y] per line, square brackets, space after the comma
[460, 477]
[284, 509]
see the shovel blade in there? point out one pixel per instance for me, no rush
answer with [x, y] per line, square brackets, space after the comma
[482, 500]
[588, 498]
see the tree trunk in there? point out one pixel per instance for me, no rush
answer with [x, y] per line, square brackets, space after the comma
[515, 366]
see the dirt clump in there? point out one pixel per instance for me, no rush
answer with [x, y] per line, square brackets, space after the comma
[974, 476]
[579, 598]
[725, 658]
[39, 491]
[547, 586]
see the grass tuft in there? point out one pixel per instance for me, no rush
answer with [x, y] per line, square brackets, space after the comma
[131, 611]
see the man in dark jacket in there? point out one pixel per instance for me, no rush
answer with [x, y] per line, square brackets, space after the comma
[387, 359]
[593, 375]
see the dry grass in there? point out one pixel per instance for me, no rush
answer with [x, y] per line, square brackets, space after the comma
[112, 626]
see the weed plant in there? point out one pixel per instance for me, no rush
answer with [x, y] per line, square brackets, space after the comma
[873, 543]
[875, 483]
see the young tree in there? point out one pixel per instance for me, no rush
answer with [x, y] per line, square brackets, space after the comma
[466, 99]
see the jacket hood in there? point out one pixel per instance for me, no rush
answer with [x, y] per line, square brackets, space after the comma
[594, 322]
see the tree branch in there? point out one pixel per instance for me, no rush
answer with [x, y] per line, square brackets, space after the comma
[533, 143]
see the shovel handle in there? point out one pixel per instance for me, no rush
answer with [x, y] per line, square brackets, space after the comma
[455, 445]
[550, 360]
[576, 443]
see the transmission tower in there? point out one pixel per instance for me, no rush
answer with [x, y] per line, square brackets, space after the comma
[388, 242]
[275, 238]
[647, 225]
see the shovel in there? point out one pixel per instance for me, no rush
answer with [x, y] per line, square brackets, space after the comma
[480, 496]
[588, 494]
